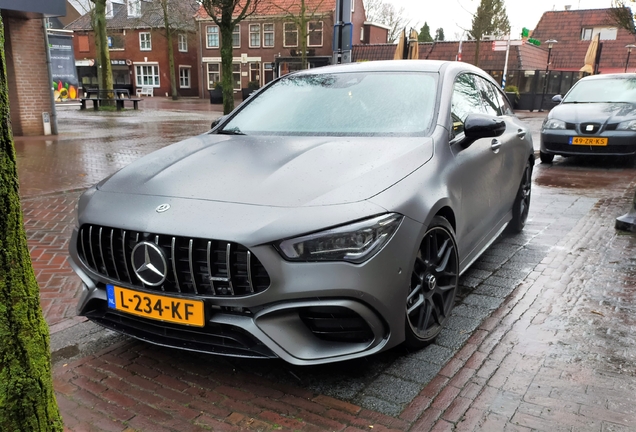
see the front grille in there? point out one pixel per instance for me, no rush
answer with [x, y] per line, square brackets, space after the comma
[336, 324]
[590, 128]
[195, 266]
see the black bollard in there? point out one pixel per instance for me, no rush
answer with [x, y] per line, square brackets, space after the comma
[627, 222]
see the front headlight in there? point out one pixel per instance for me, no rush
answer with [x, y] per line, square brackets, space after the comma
[627, 125]
[355, 242]
[553, 124]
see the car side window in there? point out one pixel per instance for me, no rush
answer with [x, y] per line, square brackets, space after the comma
[489, 97]
[465, 100]
[506, 108]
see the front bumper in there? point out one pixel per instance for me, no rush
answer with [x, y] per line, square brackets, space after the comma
[311, 313]
[619, 143]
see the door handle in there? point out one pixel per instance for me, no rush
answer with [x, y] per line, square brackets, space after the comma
[495, 145]
[521, 133]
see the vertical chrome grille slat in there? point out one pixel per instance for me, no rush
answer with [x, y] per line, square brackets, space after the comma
[173, 246]
[232, 269]
[90, 244]
[249, 272]
[123, 252]
[210, 278]
[228, 256]
[101, 250]
[191, 261]
[112, 253]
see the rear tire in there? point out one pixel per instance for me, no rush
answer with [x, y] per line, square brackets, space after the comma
[434, 284]
[546, 158]
[521, 206]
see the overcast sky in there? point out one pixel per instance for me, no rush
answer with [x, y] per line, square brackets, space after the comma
[455, 15]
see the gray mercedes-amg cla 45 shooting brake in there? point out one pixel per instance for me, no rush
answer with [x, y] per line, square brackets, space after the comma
[326, 218]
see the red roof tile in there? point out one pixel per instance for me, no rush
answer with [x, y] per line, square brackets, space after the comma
[279, 7]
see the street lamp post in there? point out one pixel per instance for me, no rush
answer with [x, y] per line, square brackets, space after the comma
[629, 51]
[550, 43]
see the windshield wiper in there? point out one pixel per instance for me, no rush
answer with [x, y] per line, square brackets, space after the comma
[231, 131]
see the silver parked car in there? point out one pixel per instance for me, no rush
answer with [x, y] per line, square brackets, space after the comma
[596, 117]
[328, 217]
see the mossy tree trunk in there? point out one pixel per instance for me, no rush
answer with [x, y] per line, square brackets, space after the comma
[27, 401]
[105, 72]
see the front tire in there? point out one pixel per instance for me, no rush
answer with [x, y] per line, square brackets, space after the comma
[434, 284]
[546, 158]
[521, 206]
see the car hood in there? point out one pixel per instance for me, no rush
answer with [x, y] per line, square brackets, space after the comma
[594, 112]
[274, 170]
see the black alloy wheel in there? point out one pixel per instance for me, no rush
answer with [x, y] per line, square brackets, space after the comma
[521, 206]
[434, 283]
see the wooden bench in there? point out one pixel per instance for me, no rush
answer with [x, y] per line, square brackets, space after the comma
[119, 96]
[145, 91]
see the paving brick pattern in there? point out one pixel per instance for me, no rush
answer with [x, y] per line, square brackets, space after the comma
[541, 339]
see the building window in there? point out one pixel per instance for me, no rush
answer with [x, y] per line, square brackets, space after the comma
[184, 76]
[255, 35]
[214, 74]
[183, 43]
[586, 34]
[268, 35]
[147, 75]
[134, 8]
[109, 9]
[353, 5]
[236, 76]
[290, 38]
[144, 42]
[314, 33]
[361, 34]
[213, 36]
[116, 41]
[607, 33]
[236, 36]
[83, 43]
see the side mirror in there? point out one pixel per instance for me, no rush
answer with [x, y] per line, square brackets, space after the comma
[479, 126]
[557, 98]
[218, 121]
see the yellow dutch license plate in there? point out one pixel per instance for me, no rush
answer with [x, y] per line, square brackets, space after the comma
[588, 141]
[157, 307]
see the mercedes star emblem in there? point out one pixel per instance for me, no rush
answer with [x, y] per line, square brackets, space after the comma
[162, 208]
[149, 263]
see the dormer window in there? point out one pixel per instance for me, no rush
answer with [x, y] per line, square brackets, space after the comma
[134, 8]
[607, 33]
[109, 9]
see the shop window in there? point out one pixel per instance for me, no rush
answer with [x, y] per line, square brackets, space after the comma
[214, 74]
[236, 76]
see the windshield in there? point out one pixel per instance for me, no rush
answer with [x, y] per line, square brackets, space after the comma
[603, 90]
[356, 104]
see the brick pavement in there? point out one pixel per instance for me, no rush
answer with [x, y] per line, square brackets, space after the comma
[554, 352]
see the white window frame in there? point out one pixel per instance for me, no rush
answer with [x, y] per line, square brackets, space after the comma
[236, 32]
[585, 31]
[256, 33]
[134, 8]
[272, 32]
[214, 72]
[207, 36]
[285, 44]
[110, 12]
[187, 76]
[322, 33]
[182, 42]
[142, 42]
[139, 75]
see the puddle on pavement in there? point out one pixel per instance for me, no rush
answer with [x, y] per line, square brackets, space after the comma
[584, 173]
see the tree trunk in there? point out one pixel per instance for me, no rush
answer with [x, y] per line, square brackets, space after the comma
[226, 62]
[101, 43]
[27, 401]
[169, 38]
[302, 34]
[477, 46]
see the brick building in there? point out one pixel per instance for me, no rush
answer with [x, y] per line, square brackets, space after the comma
[27, 67]
[139, 48]
[266, 44]
[574, 29]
